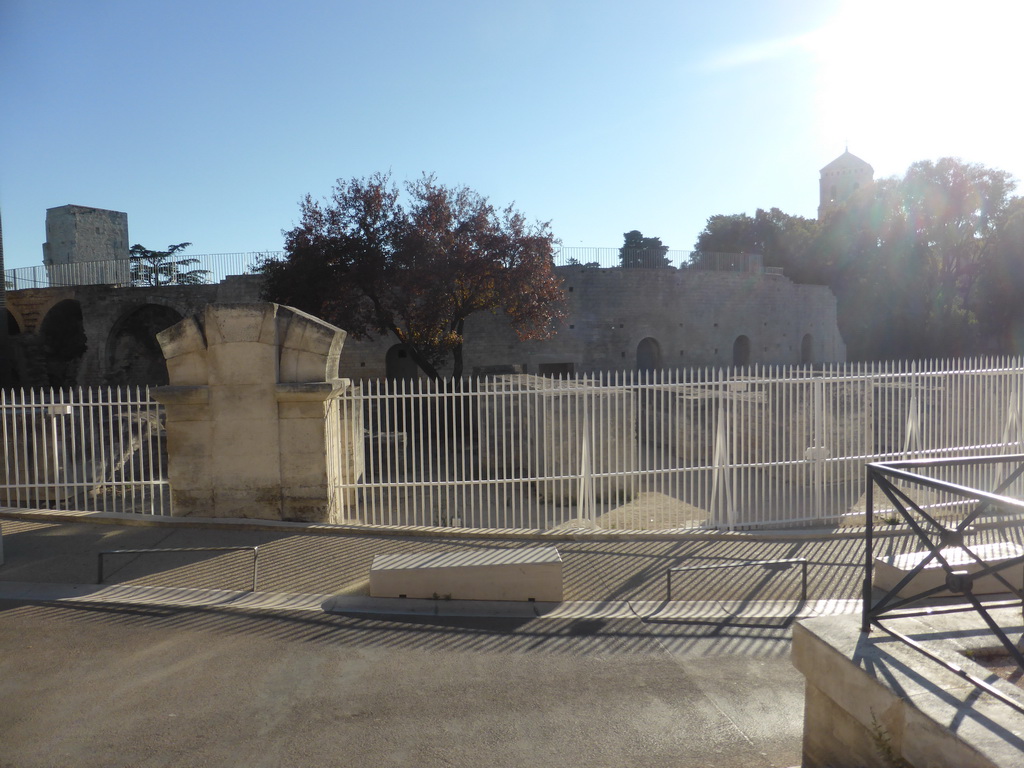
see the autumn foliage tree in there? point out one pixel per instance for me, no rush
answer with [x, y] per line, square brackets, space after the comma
[374, 261]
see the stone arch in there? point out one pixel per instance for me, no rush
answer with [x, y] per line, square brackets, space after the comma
[398, 364]
[648, 355]
[741, 350]
[807, 349]
[13, 323]
[64, 343]
[133, 355]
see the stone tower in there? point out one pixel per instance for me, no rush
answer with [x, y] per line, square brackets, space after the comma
[840, 179]
[86, 246]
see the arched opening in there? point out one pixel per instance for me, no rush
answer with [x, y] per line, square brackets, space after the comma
[398, 364]
[13, 329]
[807, 349]
[134, 356]
[741, 351]
[63, 336]
[648, 355]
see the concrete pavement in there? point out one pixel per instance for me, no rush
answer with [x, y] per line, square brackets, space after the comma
[174, 661]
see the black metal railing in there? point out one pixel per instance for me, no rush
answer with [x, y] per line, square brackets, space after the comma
[941, 503]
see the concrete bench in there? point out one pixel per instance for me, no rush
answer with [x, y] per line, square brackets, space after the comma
[533, 573]
[890, 570]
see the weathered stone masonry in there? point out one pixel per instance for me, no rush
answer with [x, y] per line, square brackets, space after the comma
[616, 319]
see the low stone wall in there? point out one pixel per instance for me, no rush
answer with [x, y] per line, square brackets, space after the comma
[874, 702]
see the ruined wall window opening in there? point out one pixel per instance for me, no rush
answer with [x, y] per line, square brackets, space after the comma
[63, 333]
[741, 351]
[133, 355]
[648, 355]
[807, 349]
[399, 365]
[13, 329]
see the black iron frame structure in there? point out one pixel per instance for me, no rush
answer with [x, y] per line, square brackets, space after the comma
[936, 535]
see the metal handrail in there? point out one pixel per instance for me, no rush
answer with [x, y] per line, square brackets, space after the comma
[255, 557]
[783, 561]
[937, 535]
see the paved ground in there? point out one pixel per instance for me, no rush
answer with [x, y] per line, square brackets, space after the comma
[173, 662]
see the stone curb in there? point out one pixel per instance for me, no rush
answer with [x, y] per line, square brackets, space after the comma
[644, 610]
[504, 534]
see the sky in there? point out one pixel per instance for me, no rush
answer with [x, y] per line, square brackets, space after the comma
[208, 122]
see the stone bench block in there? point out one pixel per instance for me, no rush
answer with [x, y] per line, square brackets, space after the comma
[491, 574]
[890, 570]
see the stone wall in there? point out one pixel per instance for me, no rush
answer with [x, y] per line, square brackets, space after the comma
[691, 319]
[874, 702]
[79, 235]
[616, 319]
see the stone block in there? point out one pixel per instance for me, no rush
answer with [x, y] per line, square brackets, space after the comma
[306, 504]
[245, 442]
[868, 690]
[188, 439]
[183, 338]
[243, 402]
[257, 464]
[533, 573]
[256, 503]
[890, 570]
[242, 363]
[188, 369]
[304, 468]
[192, 502]
[300, 411]
[237, 323]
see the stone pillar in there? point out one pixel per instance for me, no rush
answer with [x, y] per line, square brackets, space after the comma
[245, 412]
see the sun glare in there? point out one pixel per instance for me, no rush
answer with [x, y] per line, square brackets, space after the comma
[905, 80]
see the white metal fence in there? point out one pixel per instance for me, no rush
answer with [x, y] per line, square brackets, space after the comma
[85, 449]
[739, 448]
[214, 268]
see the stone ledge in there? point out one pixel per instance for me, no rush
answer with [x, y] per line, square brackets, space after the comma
[865, 688]
[532, 574]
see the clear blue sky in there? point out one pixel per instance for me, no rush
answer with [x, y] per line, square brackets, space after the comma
[208, 121]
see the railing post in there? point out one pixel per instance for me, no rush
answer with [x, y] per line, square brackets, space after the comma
[865, 625]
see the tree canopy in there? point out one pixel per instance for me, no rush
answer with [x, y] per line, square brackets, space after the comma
[374, 261]
[153, 268]
[927, 265]
[639, 251]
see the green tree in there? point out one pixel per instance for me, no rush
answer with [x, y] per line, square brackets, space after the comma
[909, 260]
[781, 239]
[996, 298]
[373, 263]
[638, 251]
[154, 268]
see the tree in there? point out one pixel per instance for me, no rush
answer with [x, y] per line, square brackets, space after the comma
[781, 239]
[153, 268]
[922, 266]
[373, 264]
[639, 251]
